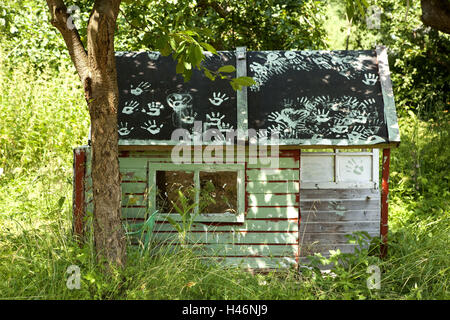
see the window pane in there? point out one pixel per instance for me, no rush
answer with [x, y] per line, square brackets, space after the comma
[218, 192]
[169, 183]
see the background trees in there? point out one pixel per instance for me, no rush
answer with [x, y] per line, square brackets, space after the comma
[44, 115]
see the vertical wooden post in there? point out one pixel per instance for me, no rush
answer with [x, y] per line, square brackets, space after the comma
[79, 166]
[299, 221]
[384, 202]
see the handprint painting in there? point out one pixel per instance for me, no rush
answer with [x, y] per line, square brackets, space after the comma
[318, 97]
[154, 101]
[326, 98]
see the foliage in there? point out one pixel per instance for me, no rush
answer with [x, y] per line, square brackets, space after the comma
[418, 57]
[144, 231]
[186, 208]
[259, 25]
[43, 118]
[187, 215]
[183, 28]
[40, 119]
[26, 33]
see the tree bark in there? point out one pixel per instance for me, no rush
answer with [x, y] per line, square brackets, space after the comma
[436, 14]
[97, 70]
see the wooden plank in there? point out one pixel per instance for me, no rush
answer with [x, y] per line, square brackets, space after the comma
[375, 167]
[205, 217]
[133, 163]
[390, 113]
[248, 225]
[134, 213]
[88, 195]
[246, 250]
[272, 174]
[282, 163]
[275, 212]
[231, 237]
[139, 160]
[235, 249]
[333, 216]
[133, 174]
[340, 227]
[134, 148]
[268, 199]
[339, 205]
[256, 262]
[307, 238]
[241, 95]
[79, 211]
[88, 162]
[135, 160]
[133, 200]
[338, 185]
[134, 187]
[273, 187]
[332, 194]
[384, 227]
[325, 249]
[197, 167]
[317, 168]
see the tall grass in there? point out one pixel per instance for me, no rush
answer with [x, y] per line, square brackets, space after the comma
[43, 116]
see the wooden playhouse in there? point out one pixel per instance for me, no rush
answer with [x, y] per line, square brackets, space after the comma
[288, 167]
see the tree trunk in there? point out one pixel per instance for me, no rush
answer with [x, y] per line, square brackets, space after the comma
[102, 96]
[436, 14]
[97, 71]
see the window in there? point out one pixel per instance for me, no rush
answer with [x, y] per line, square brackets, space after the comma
[216, 191]
[219, 191]
[168, 186]
[339, 169]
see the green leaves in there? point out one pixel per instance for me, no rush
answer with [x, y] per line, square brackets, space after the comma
[174, 224]
[227, 69]
[208, 47]
[187, 49]
[195, 54]
[186, 211]
[239, 83]
[144, 230]
[351, 6]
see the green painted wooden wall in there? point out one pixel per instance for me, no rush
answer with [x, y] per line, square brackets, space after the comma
[285, 222]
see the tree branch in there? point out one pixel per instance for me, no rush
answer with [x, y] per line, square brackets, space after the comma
[77, 52]
[436, 14]
[223, 13]
[100, 48]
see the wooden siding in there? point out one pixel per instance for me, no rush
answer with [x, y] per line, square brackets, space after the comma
[339, 195]
[272, 234]
[267, 238]
[328, 217]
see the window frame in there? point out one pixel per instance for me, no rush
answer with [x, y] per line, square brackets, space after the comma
[338, 181]
[239, 217]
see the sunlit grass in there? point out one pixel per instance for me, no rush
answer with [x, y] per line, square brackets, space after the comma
[43, 116]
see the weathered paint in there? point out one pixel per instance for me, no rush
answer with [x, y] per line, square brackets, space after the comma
[272, 234]
[384, 201]
[79, 160]
[388, 95]
[241, 95]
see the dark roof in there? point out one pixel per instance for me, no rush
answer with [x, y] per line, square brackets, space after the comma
[323, 98]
